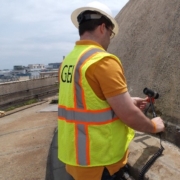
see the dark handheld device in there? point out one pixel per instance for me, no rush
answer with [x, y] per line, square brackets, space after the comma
[151, 96]
[151, 93]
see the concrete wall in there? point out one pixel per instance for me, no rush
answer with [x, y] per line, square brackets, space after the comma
[148, 45]
[20, 90]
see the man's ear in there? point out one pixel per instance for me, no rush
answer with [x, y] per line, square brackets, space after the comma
[102, 28]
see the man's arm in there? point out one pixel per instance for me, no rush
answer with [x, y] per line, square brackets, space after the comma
[140, 102]
[132, 116]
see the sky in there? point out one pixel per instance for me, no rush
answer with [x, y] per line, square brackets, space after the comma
[40, 31]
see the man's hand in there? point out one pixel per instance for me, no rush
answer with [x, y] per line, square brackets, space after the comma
[140, 102]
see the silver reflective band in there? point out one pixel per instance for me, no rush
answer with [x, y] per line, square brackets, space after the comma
[95, 117]
[81, 144]
[78, 87]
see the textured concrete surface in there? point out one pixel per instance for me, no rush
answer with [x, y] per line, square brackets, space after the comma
[166, 167]
[50, 108]
[25, 138]
[148, 45]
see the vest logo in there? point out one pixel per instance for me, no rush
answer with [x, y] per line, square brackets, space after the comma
[66, 73]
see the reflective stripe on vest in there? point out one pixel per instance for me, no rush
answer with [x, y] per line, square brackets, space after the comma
[78, 89]
[103, 116]
[82, 151]
[82, 117]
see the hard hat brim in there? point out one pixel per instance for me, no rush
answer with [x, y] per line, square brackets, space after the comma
[75, 14]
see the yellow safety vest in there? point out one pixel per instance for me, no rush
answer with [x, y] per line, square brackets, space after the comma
[89, 132]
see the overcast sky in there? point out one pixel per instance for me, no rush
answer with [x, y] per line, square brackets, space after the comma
[39, 31]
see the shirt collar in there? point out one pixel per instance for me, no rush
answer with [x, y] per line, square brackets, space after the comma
[88, 42]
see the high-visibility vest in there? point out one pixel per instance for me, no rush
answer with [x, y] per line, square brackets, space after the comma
[89, 132]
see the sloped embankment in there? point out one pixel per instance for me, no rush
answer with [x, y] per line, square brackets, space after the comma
[148, 45]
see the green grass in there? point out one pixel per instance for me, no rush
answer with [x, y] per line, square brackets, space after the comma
[31, 101]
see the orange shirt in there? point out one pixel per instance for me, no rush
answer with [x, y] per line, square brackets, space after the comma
[106, 78]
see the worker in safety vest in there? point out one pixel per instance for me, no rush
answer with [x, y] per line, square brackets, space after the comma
[96, 115]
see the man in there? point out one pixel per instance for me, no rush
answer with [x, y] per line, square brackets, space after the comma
[96, 112]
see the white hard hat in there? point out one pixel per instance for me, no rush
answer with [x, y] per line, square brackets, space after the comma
[98, 7]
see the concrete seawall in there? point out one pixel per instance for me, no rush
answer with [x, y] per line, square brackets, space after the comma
[21, 90]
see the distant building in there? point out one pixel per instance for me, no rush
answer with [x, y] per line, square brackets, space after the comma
[54, 65]
[36, 66]
[4, 71]
[8, 75]
[18, 69]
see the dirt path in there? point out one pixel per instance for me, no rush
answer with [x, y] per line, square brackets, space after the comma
[25, 138]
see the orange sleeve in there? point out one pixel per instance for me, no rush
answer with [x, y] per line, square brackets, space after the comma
[106, 78]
